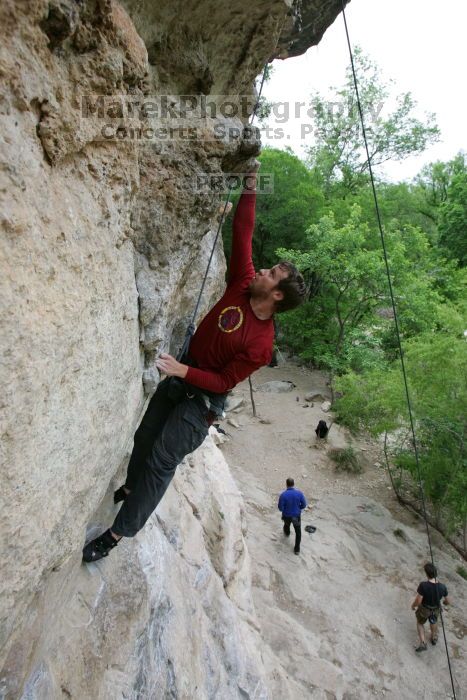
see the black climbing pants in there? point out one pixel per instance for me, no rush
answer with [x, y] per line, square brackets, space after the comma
[171, 428]
[297, 526]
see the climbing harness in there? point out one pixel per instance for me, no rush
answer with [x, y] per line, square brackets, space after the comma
[398, 335]
[183, 352]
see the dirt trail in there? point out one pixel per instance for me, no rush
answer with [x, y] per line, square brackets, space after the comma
[336, 620]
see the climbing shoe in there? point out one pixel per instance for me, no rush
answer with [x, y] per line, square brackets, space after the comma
[434, 641]
[120, 495]
[99, 548]
[296, 551]
[421, 647]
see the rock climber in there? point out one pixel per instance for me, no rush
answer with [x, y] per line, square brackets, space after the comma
[291, 503]
[233, 340]
[427, 605]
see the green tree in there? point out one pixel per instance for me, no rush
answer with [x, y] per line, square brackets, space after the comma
[434, 179]
[444, 190]
[347, 321]
[452, 224]
[437, 374]
[350, 286]
[401, 202]
[339, 156]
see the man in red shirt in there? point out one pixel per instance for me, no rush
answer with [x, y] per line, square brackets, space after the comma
[232, 341]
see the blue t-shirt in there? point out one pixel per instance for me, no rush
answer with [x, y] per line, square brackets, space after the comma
[291, 502]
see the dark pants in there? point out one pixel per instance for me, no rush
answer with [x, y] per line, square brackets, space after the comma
[297, 526]
[171, 429]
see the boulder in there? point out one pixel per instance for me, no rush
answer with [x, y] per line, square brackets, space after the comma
[217, 437]
[233, 402]
[314, 396]
[276, 387]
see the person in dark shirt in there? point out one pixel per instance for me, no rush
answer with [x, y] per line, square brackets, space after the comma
[322, 429]
[291, 503]
[427, 605]
[233, 340]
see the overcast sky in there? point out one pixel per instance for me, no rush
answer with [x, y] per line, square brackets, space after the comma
[419, 43]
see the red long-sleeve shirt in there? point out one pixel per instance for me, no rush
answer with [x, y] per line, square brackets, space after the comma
[231, 342]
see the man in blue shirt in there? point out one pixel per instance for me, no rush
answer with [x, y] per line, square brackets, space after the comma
[291, 503]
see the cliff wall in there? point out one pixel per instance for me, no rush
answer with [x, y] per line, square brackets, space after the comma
[105, 236]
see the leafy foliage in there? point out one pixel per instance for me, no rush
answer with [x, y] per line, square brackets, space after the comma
[339, 155]
[453, 217]
[347, 322]
[346, 460]
[348, 276]
[437, 375]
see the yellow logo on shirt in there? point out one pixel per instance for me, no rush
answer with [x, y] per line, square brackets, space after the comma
[230, 319]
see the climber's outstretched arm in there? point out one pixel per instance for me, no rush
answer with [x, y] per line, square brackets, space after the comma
[241, 263]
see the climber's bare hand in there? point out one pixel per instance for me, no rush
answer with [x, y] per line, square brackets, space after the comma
[170, 366]
[228, 209]
[253, 166]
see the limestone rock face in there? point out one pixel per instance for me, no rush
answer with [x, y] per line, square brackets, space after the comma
[168, 614]
[104, 241]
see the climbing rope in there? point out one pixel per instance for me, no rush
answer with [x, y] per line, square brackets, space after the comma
[191, 326]
[398, 335]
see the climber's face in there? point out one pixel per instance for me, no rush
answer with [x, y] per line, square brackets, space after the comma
[264, 283]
